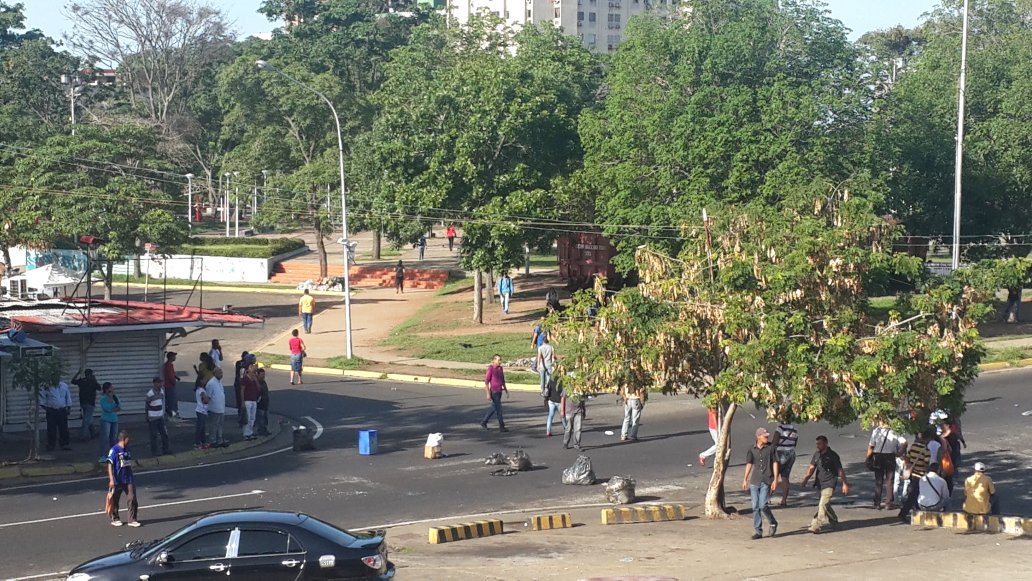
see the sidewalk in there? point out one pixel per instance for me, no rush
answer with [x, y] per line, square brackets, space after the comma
[83, 457]
[870, 544]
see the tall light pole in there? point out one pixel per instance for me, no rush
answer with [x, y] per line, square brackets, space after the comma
[264, 66]
[236, 204]
[74, 90]
[225, 203]
[189, 197]
[960, 141]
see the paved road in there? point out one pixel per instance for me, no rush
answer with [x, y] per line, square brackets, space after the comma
[398, 485]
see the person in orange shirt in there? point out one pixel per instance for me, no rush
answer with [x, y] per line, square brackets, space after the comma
[450, 233]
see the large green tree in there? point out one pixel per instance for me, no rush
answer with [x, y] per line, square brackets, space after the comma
[914, 133]
[477, 122]
[741, 100]
[766, 305]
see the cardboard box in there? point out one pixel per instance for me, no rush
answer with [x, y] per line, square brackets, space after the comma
[432, 452]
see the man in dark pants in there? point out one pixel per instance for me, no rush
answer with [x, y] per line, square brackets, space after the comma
[261, 422]
[155, 403]
[918, 459]
[494, 385]
[170, 379]
[120, 480]
[57, 403]
[572, 409]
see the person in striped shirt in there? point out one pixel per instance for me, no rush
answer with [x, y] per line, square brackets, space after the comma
[787, 438]
[917, 461]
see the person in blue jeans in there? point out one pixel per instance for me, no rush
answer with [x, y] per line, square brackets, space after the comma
[761, 479]
[553, 399]
[109, 408]
[494, 385]
[505, 290]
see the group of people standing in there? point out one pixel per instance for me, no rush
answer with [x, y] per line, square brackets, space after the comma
[252, 396]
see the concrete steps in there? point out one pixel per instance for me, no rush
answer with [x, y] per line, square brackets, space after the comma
[296, 272]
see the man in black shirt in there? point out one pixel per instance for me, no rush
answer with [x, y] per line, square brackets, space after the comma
[88, 388]
[761, 478]
[828, 467]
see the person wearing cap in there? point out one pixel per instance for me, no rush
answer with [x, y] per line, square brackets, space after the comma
[155, 402]
[827, 466]
[761, 479]
[980, 493]
[169, 381]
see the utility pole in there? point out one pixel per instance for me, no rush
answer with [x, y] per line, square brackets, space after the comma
[959, 162]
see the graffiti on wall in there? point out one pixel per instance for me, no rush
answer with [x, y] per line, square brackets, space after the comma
[71, 260]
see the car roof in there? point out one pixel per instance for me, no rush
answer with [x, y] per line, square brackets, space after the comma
[253, 516]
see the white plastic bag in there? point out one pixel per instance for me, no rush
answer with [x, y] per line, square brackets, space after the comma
[434, 440]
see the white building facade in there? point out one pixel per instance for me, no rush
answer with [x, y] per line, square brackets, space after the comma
[598, 23]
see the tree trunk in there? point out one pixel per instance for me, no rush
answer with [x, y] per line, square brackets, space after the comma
[7, 258]
[377, 243]
[320, 248]
[478, 296]
[137, 271]
[108, 271]
[490, 287]
[715, 507]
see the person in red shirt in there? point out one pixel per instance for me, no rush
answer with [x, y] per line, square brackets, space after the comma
[249, 391]
[450, 232]
[494, 385]
[169, 380]
[713, 423]
[297, 355]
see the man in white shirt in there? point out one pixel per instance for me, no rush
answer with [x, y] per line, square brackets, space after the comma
[155, 403]
[932, 491]
[57, 403]
[217, 408]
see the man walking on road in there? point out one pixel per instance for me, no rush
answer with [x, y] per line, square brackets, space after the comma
[494, 385]
[881, 456]
[571, 409]
[170, 380]
[88, 389]
[713, 424]
[917, 460]
[761, 478]
[422, 246]
[787, 439]
[261, 422]
[217, 408]
[828, 467]
[306, 310]
[120, 480]
[57, 403]
[155, 403]
[545, 364]
[450, 233]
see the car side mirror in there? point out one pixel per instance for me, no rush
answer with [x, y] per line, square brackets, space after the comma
[163, 558]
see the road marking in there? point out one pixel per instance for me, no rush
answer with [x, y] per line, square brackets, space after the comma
[436, 464]
[160, 505]
[44, 575]
[318, 427]
[148, 472]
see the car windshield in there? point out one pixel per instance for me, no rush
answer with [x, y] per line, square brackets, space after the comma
[161, 544]
[328, 531]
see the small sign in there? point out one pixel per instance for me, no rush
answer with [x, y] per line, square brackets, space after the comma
[44, 351]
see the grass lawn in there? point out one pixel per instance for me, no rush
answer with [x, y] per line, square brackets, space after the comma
[462, 348]
[156, 282]
[543, 261]
[342, 362]
[1007, 354]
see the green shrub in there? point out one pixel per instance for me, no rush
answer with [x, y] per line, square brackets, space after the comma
[242, 247]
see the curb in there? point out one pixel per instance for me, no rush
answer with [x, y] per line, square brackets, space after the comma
[471, 530]
[245, 289]
[544, 522]
[96, 468]
[448, 381]
[998, 365]
[1010, 525]
[644, 514]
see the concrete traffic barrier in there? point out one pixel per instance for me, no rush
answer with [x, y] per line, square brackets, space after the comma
[641, 514]
[544, 522]
[1011, 525]
[473, 530]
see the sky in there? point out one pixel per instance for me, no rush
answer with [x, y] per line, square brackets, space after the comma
[859, 15]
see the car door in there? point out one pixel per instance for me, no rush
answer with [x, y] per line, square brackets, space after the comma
[201, 556]
[268, 554]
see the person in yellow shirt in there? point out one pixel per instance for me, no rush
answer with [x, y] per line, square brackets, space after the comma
[305, 310]
[980, 493]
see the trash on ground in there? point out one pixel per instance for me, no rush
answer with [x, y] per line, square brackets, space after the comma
[496, 459]
[580, 473]
[620, 490]
[610, 433]
[520, 461]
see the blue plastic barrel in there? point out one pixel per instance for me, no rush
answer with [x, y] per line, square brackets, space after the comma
[367, 442]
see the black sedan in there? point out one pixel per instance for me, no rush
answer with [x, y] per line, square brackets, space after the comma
[254, 544]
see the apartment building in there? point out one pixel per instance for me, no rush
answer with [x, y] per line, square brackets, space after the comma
[598, 23]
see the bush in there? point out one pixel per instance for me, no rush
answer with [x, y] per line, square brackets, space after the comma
[242, 247]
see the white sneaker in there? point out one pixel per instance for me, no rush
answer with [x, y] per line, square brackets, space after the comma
[116, 523]
[135, 524]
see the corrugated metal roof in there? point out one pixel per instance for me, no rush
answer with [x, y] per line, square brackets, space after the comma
[73, 313]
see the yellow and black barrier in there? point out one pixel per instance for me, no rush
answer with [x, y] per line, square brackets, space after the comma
[544, 522]
[472, 530]
[1011, 525]
[642, 514]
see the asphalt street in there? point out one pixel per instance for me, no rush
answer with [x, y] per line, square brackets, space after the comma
[51, 527]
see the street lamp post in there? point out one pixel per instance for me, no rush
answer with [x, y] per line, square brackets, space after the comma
[264, 66]
[225, 203]
[960, 141]
[74, 90]
[236, 205]
[189, 197]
